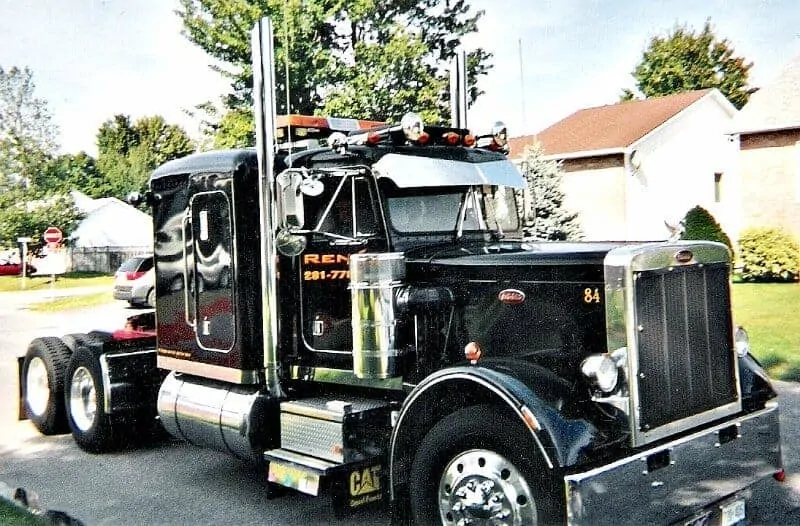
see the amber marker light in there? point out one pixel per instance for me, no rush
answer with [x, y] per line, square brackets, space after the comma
[423, 138]
[373, 138]
[472, 352]
[780, 475]
[529, 418]
[451, 138]
[469, 140]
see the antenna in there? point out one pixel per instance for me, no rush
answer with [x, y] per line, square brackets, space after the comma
[286, 48]
[522, 82]
[458, 89]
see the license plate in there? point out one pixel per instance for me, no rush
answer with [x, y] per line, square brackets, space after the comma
[733, 513]
[292, 477]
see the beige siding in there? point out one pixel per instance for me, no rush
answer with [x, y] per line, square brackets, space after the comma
[770, 173]
[596, 191]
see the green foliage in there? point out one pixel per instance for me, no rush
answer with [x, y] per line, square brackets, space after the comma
[67, 172]
[25, 214]
[686, 60]
[768, 254]
[128, 152]
[27, 133]
[700, 225]
[553, 222]
[342, 55]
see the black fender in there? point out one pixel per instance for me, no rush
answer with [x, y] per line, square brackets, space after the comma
[559, 440]
[130, 378]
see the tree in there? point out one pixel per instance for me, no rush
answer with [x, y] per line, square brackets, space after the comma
[27, 133]
[700, 225]
[685, 60]
[68, 172]
[553, 222]
[128, 152]
[338, 53]
[20, 216]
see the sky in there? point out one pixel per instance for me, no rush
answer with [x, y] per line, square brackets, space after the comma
[92, 59]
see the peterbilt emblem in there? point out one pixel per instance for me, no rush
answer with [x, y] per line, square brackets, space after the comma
[511, 296]
[684, 256]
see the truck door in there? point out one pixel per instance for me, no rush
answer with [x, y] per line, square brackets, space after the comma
[349, 220]
[210, 273]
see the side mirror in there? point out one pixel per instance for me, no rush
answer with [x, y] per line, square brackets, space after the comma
[290, 200]
[137, 198]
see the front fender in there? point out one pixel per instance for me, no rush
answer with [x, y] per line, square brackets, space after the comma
[559, 440]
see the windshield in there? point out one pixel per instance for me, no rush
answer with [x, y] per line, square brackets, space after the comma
[450, 209]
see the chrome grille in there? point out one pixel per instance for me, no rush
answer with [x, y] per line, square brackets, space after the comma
[686, 366]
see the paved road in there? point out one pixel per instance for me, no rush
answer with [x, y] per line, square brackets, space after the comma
[173, 483]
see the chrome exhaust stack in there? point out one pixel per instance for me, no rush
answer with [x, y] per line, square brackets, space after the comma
[264, 116]
[458, 89]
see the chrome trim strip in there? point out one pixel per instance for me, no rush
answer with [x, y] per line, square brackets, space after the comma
[694, 472]
[502, 393]
[344, 377]
[106, 378]
[654, 256]
[215, 372]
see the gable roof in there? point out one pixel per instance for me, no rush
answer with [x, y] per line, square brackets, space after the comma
[611, 127]
[774, 107]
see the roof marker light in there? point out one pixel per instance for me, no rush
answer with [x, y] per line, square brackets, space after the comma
[469, 140]
[473, 352]
[373, 138]
[451, 138]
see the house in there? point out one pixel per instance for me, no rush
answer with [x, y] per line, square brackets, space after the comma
[768, 129]
[633, 168]
[110, 232]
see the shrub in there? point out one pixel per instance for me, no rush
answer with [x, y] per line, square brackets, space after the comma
[700, 225]
[768, 254]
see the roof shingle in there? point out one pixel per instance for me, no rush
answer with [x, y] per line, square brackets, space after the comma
[608, 127]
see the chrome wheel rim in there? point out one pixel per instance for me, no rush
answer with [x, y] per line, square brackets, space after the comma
[82, 399]
[37, 386]
[482, 487]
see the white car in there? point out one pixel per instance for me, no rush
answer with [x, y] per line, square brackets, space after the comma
[135, 282]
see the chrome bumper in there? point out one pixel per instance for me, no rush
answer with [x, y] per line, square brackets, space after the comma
[675, 480]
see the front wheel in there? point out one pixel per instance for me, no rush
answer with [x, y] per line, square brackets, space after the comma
[473, 468]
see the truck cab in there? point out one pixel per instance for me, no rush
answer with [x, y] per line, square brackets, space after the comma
[361, 316]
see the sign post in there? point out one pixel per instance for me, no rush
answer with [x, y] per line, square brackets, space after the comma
[23, 252]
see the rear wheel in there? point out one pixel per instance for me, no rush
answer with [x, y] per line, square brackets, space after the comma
[473, 468]
[92, 428]
[151, 298]
[43, 384]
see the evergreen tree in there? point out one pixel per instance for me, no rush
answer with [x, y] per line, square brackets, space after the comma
[700, 225]
[553, 222]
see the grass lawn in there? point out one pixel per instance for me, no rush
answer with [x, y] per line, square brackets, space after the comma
[73, 279]
[11, 514]
[770, 312]
[72, 302]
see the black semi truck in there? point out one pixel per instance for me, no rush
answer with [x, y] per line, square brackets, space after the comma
[359, 314]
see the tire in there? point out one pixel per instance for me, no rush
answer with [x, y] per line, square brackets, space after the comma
[479, 453]
[151, 298]
[92, 429]
[43, 384]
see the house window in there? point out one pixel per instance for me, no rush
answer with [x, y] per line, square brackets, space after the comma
[717, 187]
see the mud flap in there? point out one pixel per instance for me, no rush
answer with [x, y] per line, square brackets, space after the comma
[360, 487]
[21, 413]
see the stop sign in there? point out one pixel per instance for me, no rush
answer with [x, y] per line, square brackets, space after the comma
[52, 235]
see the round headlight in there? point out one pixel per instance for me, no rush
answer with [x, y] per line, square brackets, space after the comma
[741, 341]
[602, 371]
[412, 126]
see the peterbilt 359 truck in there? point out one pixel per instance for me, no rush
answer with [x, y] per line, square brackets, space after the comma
[361, 316]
